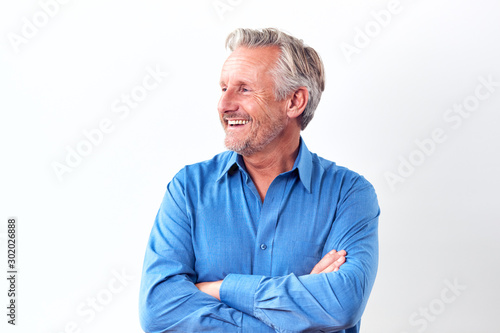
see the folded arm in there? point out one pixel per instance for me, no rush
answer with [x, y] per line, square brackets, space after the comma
[169, 300]
[331, 262]
[330, 301]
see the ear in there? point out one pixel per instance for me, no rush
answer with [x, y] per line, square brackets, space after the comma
[297, 102]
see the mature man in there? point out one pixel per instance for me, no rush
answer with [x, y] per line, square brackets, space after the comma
[247, 241]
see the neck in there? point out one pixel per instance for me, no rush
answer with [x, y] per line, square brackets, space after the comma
[264, 166]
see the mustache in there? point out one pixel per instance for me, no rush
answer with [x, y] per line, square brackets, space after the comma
[236, 116]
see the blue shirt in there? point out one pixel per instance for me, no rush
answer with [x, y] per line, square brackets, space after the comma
[212, 225]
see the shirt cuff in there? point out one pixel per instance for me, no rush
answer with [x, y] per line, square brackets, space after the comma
[238, 291]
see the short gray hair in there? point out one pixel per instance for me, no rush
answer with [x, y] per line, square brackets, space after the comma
[299, 65]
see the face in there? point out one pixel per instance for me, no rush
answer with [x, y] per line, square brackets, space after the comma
[249, 113]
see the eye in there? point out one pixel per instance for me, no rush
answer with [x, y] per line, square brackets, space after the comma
[224, 89]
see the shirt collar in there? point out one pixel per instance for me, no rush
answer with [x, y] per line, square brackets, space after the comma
[233, 162]
[303, 165]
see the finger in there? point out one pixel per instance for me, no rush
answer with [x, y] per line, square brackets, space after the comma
[340, 261]
[342, 253]
[326, 261]
[334, 266]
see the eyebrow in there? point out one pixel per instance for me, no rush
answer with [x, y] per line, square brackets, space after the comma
[237, 83]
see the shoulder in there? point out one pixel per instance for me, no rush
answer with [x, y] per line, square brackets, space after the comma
[342, 178]
[205, 171]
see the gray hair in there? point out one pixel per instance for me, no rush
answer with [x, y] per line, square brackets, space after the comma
[299, 65]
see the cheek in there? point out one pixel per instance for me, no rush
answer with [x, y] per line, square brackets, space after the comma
[263, 108]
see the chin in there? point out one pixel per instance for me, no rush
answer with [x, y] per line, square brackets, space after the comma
[238, 146]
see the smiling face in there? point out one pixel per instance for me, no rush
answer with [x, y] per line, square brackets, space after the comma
[249, 113]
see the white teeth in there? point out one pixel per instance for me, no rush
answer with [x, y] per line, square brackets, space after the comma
[237, 122]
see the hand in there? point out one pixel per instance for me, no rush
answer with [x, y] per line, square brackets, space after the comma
[331, 262]
[210, 288]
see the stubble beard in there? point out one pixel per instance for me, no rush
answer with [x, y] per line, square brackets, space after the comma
[258, 138]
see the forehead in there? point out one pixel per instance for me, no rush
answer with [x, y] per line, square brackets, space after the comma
[250, 64]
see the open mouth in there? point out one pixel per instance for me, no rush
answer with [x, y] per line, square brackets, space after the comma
[235, 123]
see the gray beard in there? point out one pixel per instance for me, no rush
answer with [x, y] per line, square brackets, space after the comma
[248, 146]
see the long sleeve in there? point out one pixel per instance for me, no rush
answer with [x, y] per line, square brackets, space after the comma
[326, 302]
[169, 300]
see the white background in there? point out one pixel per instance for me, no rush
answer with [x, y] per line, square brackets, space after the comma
[76, 234]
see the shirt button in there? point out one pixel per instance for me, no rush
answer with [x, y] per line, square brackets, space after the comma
[263, 246]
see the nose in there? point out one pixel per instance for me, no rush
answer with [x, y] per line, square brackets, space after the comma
[227, 102]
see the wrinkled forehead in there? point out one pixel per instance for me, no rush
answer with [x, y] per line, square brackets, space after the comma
[250, 63]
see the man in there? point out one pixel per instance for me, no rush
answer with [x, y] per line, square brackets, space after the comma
[248, 241]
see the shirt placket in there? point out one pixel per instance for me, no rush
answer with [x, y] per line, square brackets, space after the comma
[267, 227]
